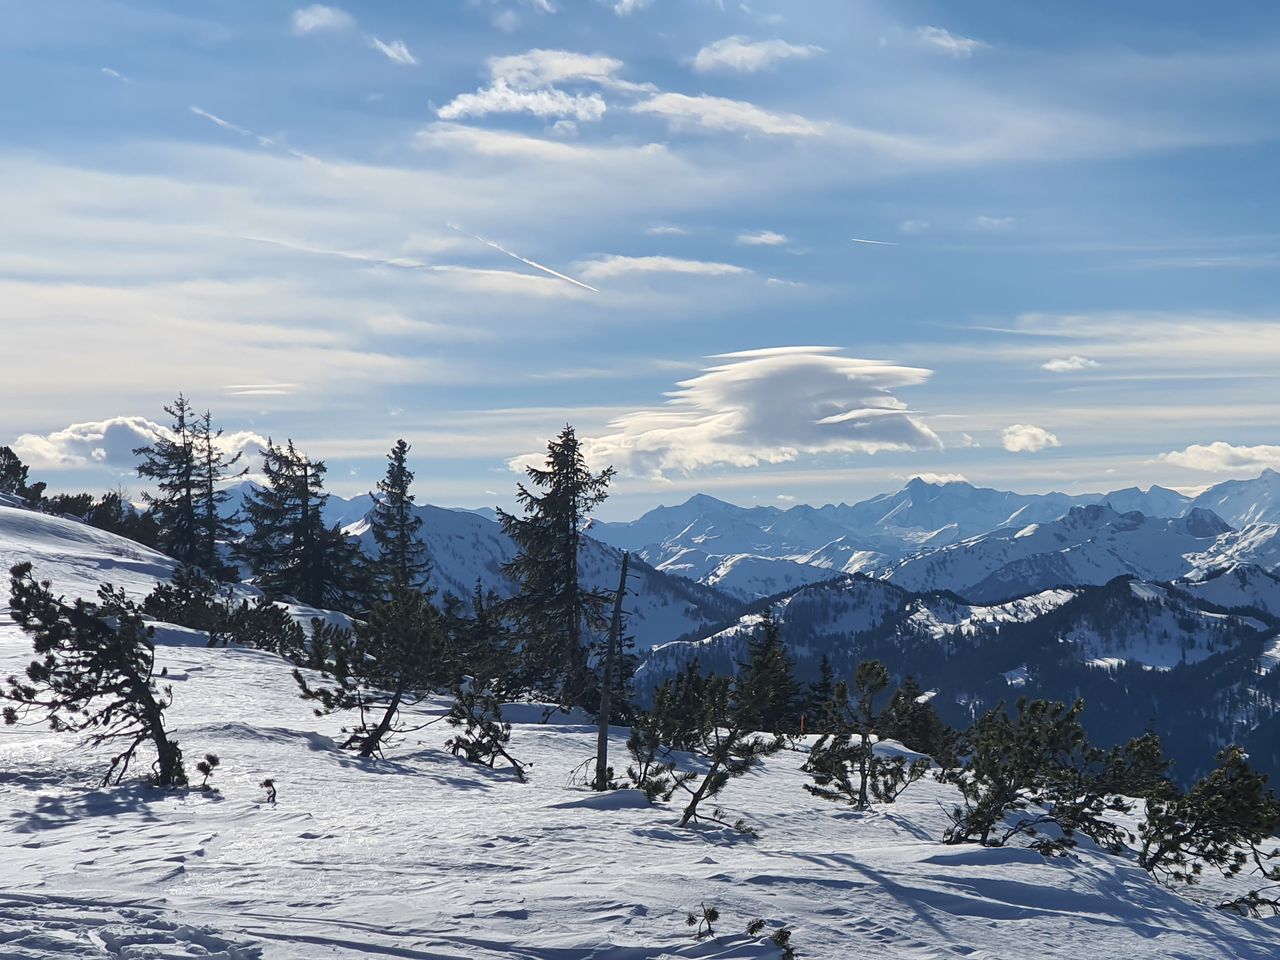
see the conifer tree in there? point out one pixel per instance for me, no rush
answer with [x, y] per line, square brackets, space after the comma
[171, 462]
[552, 610]
[766, 693]
[213, 467]
[1225, 814]
[94, 673]
[288, 547]
[380, 666]
[402, 556]
[679, 713]
[14, 480]
[843, 762]
[819, 697]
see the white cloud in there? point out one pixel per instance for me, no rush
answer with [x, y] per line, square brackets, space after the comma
[616, 266]
[664, 230]
[762, 238]
[1069, 365]
[952, 43]
[115, 75]
[767, 406]
[1025, 438]
[913, 227]
[624, 8]
[395, 51]
[108, 443]
[546, 68]
[319, 17]
[993, 223]
[746, 56]
[502, 98]
[720, 113]
[939, 478]
[1223, 457]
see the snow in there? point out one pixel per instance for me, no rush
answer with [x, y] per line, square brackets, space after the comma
[423, 856]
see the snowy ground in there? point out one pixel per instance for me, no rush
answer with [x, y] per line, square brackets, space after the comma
[422, 856]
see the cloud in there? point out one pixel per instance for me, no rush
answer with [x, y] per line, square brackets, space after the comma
[993, 223]
[664, 230]
[615, 265]
[318, 17]
[1025, 438]
[502, 98]
[767, 406]
[1223, 457]
[762, 238]
[546, 68]
[115, 75]
[720, 113]
[395, 51]
[108, 443]
[624, 8]
[913, 227]
[939, 478]
[1069, 365]
[952, 43]
[746, 56]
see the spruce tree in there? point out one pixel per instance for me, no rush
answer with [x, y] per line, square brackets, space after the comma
[94, 673]
[766, 692]
[402, 556]
[213, 467]
[819, 698]
[288, 547]
[171, 462]
[552, 610]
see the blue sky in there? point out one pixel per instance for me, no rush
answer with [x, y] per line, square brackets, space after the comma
[281, 210]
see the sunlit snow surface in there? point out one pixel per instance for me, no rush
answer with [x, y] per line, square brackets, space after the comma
[422, 856]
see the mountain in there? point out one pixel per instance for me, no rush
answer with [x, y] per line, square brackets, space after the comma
[1236, 586]
[466, 548]
[1090, 545]
[1140, 653]
[1244, 502]
[703, 536]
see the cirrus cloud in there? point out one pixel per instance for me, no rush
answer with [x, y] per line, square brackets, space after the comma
[1027, 438]
[767, 406]
[721, 113]
[1069, 364]
[616, 265]
[318, 17]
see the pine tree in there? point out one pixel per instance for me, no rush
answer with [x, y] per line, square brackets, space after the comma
[94, 673]
[288, 547]
[14, 480]
[1226, 813]
[819, 698]
[116, 514]
[844, 763]
[212, 469]
[171, 463]
[553, 610]
[912, 720]
[679, 708]
[380, 666]
[402, 556]
[766, 692]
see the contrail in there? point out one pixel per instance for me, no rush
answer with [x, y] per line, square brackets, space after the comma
[878, 243]
[532, 263]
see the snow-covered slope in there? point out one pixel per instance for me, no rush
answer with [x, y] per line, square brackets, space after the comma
[1237, 585]
[424, 857]
[1090, 545]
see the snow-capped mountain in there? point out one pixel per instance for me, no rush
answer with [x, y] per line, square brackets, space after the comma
[1139, 652]
[1240, 585]
[1244, 502]
[466, 548]
[1090, 545]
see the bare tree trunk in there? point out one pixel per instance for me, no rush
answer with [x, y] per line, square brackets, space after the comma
[606, 681]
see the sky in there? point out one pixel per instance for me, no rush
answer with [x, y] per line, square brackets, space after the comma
[778, 252]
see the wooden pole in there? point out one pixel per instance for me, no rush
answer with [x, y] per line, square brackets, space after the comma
[606, 680]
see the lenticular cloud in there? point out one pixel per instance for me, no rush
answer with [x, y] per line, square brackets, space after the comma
[769, 406]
